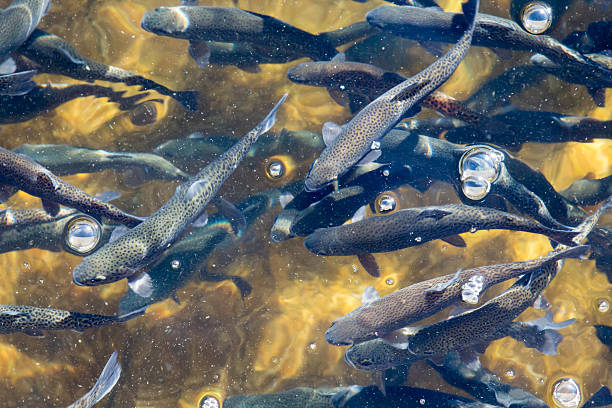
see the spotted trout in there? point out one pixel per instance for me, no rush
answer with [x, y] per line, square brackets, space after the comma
[416, 302]
[357, 141]
[142, 245]
[19, 172]
[33, 320]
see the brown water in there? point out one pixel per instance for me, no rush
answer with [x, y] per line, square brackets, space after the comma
[274, 339]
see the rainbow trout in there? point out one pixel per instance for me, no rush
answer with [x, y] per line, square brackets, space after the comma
[415, 226]
[416, 302]
[107, 380]
[56, 56]
[19, 172]
[142, 245]
[33, 320]
[357, 141]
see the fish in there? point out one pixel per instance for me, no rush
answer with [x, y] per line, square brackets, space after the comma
[380, 316]
[34, 228]
[528, 126]
[33, 320]
[482, 384]
[297, 397]
[17, 22]
[415, 226]
[200, 24]
[601, 398]
[19, 172]
[64, 160]
[595, 83]
[588, 191]
[54, 55]
[357, 84]
[604, 334]
[44, 98]
[248, 57]
[495, 32]
[142, 245]
[404, 348]
[358, 141]
[106, 382]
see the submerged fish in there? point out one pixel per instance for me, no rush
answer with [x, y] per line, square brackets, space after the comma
[34, 228]
[484, 385]
[65, 160]
[200, 24]
[248, 57]
[357, 84]
[144, 244]
[415, 226]
[33, 320]
[107, 380]
[43, 98]
[18, 172]
[379, 316]
[357, 141]
[17, 22]
[588, 192]
[55, 56]
[432, 25]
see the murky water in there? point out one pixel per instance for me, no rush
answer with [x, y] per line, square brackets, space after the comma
[216, 342]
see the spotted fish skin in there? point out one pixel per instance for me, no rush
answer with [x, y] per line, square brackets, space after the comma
[21, 172]
[56, 56]
[32, 320]
[234, 25]
[356, 138]
[363, 83]
[107, 380]
[18, 21]
[143, 244]
[416, 302]
[40, 99]
[414, 226]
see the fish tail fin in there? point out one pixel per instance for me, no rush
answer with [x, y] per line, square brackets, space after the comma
[107, 380]
[130, 315]
[585, 228]
[269, 120]
[579, 251]
[189, 99]
[470, 10]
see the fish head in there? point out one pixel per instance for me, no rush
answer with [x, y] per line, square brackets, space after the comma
[347, 329]
[305, 73]
[100, 269]
[167, 21]
[321, 175]
[372, 355]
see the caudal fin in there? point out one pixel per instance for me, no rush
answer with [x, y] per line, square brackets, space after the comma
[108, 378]
[269, 120]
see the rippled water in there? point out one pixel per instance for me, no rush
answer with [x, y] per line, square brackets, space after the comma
[274, 339]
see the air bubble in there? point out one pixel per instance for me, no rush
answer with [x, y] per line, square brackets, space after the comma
[209, 401]
[82, 235]
[175, 264]
[418, 239]
[481, 162]
[389, 281]
[537, 17]
[475, 188]
[510, 373]
[385, 203]
[275, 169]
[566, 393]
[603, 306]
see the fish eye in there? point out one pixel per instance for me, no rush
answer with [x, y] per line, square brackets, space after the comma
[366, 362]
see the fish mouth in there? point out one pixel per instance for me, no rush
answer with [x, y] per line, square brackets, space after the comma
[330, 338]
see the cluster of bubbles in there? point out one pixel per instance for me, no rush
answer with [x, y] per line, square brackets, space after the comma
[470, 291]
[478, 168]
[82, 235]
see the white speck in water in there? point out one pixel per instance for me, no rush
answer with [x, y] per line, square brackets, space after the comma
[603, 306]
[313, 346]
[418, 239]
[175, 264]
[510, 373]
[566, 393]
[386, 173]
[422, 401]
[389, 281]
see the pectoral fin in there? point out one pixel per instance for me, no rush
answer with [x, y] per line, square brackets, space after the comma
[455, 240]
[141, 284]
[330, 132]
[200, 52]
[231, 213]
[52, 208]
[369, 264]
[340, 97]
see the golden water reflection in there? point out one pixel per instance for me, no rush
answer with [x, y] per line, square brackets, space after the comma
[215, 342]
